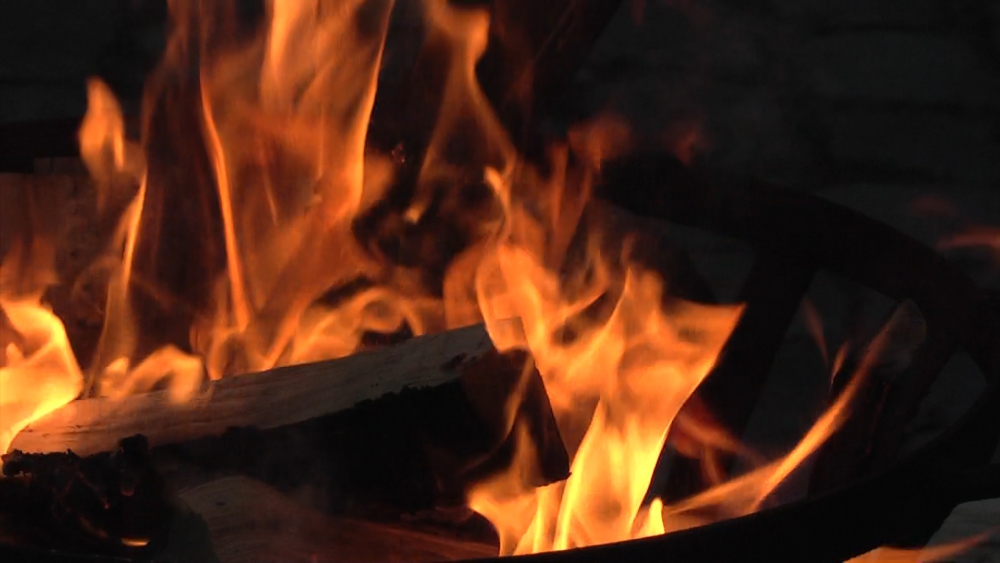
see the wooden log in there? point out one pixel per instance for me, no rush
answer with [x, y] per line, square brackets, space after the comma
[109, 504]
[401, 453]
[378, 435]
[264, 400]
[250, 522]
[401, 429]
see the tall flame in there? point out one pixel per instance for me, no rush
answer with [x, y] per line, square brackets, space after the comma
[38, 372]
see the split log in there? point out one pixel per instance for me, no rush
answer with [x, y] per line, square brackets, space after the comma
[264, 400]
[250, 522]
[116, 505]
[109, 504]
[400, 429]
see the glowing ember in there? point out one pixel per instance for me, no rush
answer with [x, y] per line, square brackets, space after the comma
[252, 195]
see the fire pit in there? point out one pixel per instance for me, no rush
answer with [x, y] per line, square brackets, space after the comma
[546, 419]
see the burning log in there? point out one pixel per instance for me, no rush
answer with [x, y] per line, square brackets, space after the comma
[116, 505]
[429, 416]
[898, 502]
[269, 399]
[382, 433]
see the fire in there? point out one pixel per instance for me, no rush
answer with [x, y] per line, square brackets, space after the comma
[265, 220]
[976, 236]
[38, 372]
[957, 232]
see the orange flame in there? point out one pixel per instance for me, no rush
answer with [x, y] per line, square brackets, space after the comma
[962, 233]
[38, 372]
[976, 236]
[247, 242]
[814, 324]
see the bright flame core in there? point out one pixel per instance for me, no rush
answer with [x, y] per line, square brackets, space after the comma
[257, 194]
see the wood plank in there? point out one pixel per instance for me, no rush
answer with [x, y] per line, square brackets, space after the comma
[268, 399]
[403, 452]
[250, 522]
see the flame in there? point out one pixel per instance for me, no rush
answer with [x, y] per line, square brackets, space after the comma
[263, 221]
[960, 232]
[633, 372]
[814, 324]
[38, 371]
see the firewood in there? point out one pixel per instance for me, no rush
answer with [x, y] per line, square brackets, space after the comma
[401, 453]
[250, 522]
[108, 504]
[268, 399]
[401, 429]
[333, 433]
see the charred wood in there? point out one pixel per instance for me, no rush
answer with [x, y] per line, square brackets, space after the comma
[107, 504]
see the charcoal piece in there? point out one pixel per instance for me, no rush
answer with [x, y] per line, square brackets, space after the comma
[110, 504]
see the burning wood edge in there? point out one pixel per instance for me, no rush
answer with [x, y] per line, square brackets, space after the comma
[269, 399]
[410, 425]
